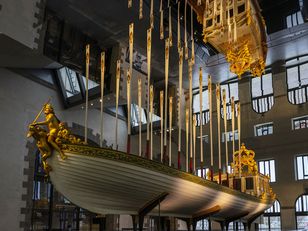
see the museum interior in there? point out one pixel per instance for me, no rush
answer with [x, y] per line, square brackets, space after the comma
[154, 115]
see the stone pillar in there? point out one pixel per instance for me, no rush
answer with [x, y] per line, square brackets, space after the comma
[173, 224]
[215, 226]
[288, 221]
[111, 222]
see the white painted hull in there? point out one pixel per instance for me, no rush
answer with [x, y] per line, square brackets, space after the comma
[122, 184]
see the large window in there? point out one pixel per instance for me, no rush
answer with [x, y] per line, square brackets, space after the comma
[300, 122]
[136, 116]
[301, 212]
[236, 225]
[202, 225]
[229, 136]
[202, 115]
[264, 129]
[297, 80]
[205, 172]
[262, 93]
[301, 163]
[231, 89]
[73, 86]
[205, 138]
[271, 218]
[69, 80]
[267, 167]
[294, 19]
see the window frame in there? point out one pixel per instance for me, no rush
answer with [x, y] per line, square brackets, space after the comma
[303, 168]
[269, 215]
[268, 160]
[292, 91]
[228, 104]
[263, 125]
[300, 213]
[291, 16]
[229, 134]
[268, 97]
[80, 97]
[298, 118]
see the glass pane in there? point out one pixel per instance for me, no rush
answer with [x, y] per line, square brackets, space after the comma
[303, 70]
[266, 167]
[275, 222]
[265, 223]
[155, 118]
[234, 91]
[272, 171]
[91, 83]
[294, 19]
[205, 172]
[261, 167]
[267, 84]
[292, 76]
[270, 129]
[256, 87]
[302, 222]
[134, 115]
[70, 82]
[305, 165]
[304, 203]
[277, 207]
[196, 102]
[300, 17]
[300, 170]
[298, 207]
[289, 21]
[202, 225]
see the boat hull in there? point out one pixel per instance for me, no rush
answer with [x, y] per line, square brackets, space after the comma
[105, 181]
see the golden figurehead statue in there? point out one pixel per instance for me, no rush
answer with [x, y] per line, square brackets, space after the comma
[52, 122]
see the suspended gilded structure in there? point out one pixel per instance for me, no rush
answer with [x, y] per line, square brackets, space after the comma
[236, 29]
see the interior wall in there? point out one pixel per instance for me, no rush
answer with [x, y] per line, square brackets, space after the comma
[21, 100]
[282, 146]
[20, 20]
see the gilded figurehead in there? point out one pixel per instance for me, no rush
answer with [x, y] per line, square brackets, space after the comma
[52, 122]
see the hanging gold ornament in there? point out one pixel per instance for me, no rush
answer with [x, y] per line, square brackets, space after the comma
[241, 38]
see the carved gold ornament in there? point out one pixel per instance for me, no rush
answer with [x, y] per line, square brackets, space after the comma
[241, 37]
[244, 162]
[57, 135]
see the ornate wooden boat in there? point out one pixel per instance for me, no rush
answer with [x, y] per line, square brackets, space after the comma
[107, 181]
